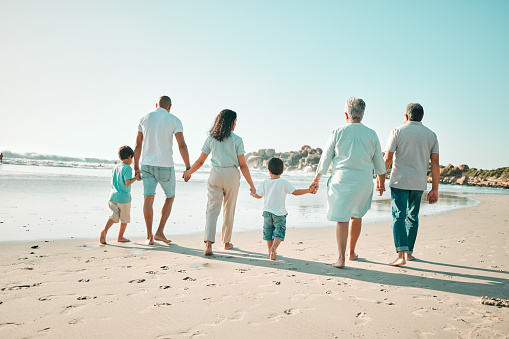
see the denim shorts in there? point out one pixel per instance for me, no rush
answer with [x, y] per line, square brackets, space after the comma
[274, 226]
[165, 176]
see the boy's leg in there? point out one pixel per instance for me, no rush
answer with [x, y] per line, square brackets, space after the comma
[355, 232]
[268, 229]
[125, 218]
[102, 238]
[121, 238]
[279, 234]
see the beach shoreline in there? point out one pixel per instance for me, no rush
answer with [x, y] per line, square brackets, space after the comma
[77, 288]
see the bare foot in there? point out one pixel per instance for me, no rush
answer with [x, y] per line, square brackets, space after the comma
[149, 241]
[272, 253]
[353, 256]
[102, 238]
[122, 239]
[339, 264]
[228, 246]
[409, 257]
[161, 237]
[397, 262]
[208, 250]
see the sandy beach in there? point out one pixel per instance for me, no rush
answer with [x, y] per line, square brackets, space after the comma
[78, 288]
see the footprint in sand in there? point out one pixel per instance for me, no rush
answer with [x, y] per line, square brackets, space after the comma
[189, 279]
[165, 287]
[151, 272]
[162, 304]
[165, 268]
[362, 319]
[182, 271]
[86, 298]
[138, 281]
[84, 280]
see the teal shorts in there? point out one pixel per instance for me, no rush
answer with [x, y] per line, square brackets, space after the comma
[274, 226]
[152, 175]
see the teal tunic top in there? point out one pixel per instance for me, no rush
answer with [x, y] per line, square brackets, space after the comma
[355, 153]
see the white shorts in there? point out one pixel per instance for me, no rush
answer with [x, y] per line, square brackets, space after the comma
[120, 211]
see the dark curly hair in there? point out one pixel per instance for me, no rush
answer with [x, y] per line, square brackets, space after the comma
[223, 125]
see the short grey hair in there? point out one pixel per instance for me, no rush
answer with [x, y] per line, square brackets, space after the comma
[414, 111]
[355, 108]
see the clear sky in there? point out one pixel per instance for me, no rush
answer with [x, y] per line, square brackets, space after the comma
[76, 76]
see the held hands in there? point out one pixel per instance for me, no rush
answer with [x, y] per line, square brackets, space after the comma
[137, 174]
[380, 187]
[432, 196]
[313, 188]
[186, 176]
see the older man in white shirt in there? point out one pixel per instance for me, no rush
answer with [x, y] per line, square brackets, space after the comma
[155, 138]
[412, 146]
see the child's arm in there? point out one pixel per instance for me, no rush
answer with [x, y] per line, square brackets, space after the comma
[254, 195]
[302, 192]
[128, 182]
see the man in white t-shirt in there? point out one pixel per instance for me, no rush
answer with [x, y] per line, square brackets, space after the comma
[412, 146]
[155, 139]
[274, 192]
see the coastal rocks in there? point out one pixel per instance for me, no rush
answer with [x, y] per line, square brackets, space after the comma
[464, 175]
[306, 159]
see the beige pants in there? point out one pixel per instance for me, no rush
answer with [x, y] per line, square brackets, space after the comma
[222, 187]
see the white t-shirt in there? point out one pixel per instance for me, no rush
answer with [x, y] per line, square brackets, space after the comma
[412, 144]
[274, 192]
[158, 128]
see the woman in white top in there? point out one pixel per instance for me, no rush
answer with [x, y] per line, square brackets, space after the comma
[355, 152]
[227, 151]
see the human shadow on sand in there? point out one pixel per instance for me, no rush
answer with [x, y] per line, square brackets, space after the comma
[442, 280]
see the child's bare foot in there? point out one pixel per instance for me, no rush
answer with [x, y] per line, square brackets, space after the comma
[397, 262]
[122, 239]
[353, 256]
[228, 246]
[102, 238]
[149, 241]
[409, 257]
[161, 237]
[340, 263]
[272, 253]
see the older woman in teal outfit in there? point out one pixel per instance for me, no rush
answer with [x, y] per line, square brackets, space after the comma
[354, 151]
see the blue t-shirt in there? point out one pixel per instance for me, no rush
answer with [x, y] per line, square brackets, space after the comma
[120, 192]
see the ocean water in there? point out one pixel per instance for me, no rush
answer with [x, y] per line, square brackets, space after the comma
[41, 200]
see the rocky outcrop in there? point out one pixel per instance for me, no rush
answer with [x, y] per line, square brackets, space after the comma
[306, 159]
[464, 175]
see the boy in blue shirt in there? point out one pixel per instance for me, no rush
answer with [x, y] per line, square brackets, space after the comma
[274, 191]
[120, 196]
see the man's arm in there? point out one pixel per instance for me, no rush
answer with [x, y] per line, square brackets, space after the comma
[435, 178]
[137, 153]
[184, 153]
